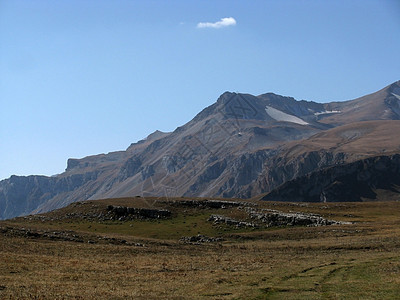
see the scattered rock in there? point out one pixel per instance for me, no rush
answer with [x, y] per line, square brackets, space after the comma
[219, 219]
[68, 236]
[197, 239]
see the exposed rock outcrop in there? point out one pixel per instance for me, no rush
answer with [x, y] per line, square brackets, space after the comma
[274, 218]
[355, 181]
[198, 239]
[127, 213]
[219, 219]
[68, 236]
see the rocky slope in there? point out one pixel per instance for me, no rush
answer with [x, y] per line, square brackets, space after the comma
[240, 146]
[373, 178]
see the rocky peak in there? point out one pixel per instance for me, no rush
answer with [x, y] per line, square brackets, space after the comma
[94, 161]
[233, 148]
[156, 135]
[291, 106]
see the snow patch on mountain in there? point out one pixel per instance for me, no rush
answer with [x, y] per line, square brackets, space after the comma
[281, 116]
[397, 96]
[327, 112]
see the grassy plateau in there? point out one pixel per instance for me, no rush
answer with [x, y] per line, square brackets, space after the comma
[79, 252]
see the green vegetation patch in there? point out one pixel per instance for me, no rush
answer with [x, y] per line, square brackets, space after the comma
[168, 229]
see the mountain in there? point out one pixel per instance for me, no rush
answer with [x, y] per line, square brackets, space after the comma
[372, 178]
[240, 146]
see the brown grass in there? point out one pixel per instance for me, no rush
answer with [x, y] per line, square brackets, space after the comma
[359, 261]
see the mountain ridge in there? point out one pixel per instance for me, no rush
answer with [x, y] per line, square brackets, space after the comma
[240, 146]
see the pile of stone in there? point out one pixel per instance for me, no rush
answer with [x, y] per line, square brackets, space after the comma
[219, 219]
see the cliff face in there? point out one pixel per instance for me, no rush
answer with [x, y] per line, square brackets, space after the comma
[20, 195]
[358, 181]
[241, 146]
[262, 172]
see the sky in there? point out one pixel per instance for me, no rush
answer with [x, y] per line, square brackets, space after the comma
[82, 77]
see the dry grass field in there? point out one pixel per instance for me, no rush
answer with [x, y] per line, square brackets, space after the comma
[77, 257]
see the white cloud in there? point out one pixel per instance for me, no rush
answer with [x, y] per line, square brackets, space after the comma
[223, 23]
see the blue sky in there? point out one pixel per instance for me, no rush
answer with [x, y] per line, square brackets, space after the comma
[87, 77]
